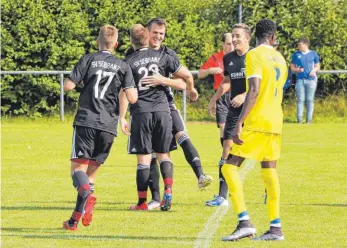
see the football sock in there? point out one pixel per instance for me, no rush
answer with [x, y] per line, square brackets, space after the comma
[142, 178]
[272, 186]
[223, 187]
[232, 177]
[191, 154]
[166, 168]
[154, 179]
[92, 187]
[81, 183]
[243, 216]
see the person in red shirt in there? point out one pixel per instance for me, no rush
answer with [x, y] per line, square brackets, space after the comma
[214, 66]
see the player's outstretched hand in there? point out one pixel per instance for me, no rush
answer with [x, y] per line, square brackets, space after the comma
[154, 80]
[238, 100]
[212, 107]
[193, 94]
[237, 134]
[125, 127]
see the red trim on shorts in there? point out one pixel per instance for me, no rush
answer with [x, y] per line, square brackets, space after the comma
[142, 194]
[94, 163]
[84, 161]
[168, 181]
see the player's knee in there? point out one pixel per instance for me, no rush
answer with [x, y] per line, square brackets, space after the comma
[181, 137]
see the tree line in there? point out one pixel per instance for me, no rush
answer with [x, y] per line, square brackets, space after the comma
[53, 35]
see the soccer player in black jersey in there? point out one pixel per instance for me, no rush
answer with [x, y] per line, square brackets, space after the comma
[96, 120]
[151, 122]
[157, 30]
[234, 78]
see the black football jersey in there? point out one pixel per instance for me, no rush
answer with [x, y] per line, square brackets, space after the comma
[103, 75]
[144, 62]
[234, 67]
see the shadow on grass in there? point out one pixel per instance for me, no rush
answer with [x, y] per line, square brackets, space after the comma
[61, 234]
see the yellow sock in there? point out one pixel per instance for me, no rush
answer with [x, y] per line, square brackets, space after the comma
[232, 177]
[272, 186]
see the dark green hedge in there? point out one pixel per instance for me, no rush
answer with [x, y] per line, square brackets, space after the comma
[52, 35]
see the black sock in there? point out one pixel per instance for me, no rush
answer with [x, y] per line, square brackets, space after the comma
[142, 179]
[92, 187]
[223, 187]
[166, 169]
[191, 154]
[154, 179]
[221, 141]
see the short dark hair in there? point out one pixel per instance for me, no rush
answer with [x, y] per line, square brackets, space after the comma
[304, 40]
[244, 27]
[157, 20]
[265, 28]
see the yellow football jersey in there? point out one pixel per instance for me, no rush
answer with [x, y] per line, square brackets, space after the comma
[270, 66]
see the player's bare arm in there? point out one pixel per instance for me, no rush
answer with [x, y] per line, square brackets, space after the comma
[251, 98]
[123, 107]
[222, 89]
[69, 84]
[158, 79]
[187, 76]
[131, 94]
[210, 71]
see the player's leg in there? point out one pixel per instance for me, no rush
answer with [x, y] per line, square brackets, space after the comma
[154, 184]
[310, 90]
[300, 94]
[222, 107]
[103, 144]
[191, 154]
[82, 147]
[140, 143]
[253, 148]
[222, 198]
[162, 144]
[270, 178]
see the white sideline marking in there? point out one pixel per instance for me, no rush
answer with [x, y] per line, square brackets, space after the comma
[205, 236]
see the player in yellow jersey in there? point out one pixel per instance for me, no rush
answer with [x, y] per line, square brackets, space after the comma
[257, 134]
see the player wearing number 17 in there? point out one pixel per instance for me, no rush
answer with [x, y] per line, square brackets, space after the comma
[96, 120]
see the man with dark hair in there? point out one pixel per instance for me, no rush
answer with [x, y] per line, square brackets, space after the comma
[234, 79]
[305, 64]
[257, 134]
[157, 30]
[214, 66]
[151, 122]
[96, 120]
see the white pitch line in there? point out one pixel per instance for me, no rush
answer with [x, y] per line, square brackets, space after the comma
[205, 236]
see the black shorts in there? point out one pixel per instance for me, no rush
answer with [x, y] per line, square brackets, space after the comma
[230, 124]
[222, 107]
[150, 132]
[177, 122]
[90, 143]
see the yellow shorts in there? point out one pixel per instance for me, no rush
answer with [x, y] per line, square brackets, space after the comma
[258, 145]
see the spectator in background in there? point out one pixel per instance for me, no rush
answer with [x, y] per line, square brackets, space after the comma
[214, 66]
[305, 64]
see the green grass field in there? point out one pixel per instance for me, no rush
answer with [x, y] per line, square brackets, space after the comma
[37, 192]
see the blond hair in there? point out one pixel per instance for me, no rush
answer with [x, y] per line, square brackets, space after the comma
[139, 35]
[244, 27]
[108, 37]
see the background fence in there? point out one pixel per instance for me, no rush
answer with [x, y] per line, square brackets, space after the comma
[61, 74]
